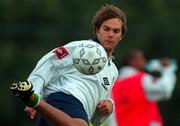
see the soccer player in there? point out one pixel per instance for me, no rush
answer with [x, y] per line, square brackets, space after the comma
[137, 91]
[71, 98]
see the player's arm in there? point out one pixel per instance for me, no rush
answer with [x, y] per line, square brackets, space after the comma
[162, 87]
[23, 90]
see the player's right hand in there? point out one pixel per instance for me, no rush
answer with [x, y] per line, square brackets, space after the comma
[30, 112]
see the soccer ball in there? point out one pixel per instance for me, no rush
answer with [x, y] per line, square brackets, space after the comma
[89, 58]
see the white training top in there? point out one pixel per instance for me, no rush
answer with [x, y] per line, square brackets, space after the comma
[55, 72]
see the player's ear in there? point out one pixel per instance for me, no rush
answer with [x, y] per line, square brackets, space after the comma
[97, 30]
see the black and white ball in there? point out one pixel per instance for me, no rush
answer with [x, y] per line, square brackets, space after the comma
[89, 58]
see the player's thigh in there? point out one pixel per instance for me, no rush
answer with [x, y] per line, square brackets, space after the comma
[80, 122]
[69, 105]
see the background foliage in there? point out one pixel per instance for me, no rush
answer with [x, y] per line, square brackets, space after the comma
[31, 28]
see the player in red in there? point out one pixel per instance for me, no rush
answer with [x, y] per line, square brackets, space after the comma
[136, 92]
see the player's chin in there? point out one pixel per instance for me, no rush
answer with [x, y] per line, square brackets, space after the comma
[109, 48]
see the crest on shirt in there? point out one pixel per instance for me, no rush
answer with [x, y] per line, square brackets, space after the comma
[61, 52]
[105, 83]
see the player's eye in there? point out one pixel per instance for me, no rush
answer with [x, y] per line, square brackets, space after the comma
[116, 30]
[106, 29]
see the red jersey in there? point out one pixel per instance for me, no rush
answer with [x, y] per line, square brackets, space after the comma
[131, 106]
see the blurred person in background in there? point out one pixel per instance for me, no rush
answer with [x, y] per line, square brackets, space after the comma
[138, 89]
[72, 98]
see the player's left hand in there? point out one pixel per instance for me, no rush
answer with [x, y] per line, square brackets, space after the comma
[30, 112]
[105, 107]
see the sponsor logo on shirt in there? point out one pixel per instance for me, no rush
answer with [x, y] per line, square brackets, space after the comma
[61, 52]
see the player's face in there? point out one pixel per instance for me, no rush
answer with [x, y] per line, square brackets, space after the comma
[109, 34]
[139, 60]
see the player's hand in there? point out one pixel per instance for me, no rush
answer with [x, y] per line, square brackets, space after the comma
[103, 110]
[30, 112]
[22, 89]
[105, 107]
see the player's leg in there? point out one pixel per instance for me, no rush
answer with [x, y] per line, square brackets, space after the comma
[24, 91]
[58, 117]
[67, 104]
